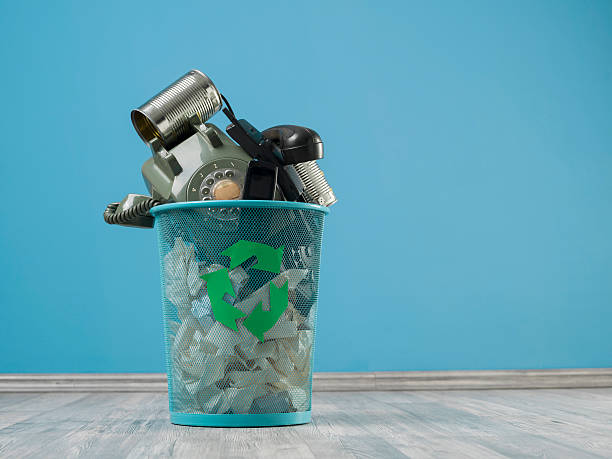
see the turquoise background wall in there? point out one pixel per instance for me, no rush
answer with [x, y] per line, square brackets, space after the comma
[469, 143]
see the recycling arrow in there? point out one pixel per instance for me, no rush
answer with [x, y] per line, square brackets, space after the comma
[218, 284]
[260, 321]
[268, 258]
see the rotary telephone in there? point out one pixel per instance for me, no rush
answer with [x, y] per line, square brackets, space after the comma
[193, 160]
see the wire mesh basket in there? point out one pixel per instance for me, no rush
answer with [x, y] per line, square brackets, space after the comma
[239, 288]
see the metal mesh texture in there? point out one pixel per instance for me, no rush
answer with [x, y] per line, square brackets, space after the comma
[211, 368]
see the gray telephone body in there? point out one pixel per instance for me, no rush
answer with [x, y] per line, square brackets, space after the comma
[207, 165]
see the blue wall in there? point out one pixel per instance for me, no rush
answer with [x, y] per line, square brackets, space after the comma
[470, 145]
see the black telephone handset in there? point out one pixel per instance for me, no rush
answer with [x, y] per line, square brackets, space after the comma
[283, 146]
[297, 144]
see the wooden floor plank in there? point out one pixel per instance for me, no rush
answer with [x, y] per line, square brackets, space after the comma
[426, 431]
[538, 424]
[494, 423]
[11, 399]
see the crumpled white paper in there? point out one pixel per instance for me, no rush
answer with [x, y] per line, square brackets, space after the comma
[201, 307]
[219, 370]
[181, 275]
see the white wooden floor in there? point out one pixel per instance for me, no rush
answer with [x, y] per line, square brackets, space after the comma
[561, 423]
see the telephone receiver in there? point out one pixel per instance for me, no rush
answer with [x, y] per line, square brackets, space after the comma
[297, 144]
[293, 150]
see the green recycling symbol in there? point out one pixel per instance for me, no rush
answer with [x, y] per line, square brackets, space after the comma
[218, 284]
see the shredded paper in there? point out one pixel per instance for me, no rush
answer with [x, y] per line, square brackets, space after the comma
[217, 370]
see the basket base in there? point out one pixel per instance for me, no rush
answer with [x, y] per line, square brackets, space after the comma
[240, 420]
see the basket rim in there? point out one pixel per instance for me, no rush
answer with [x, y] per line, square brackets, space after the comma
[241, 203]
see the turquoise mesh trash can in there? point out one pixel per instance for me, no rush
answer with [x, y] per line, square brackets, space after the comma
[239, 298]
